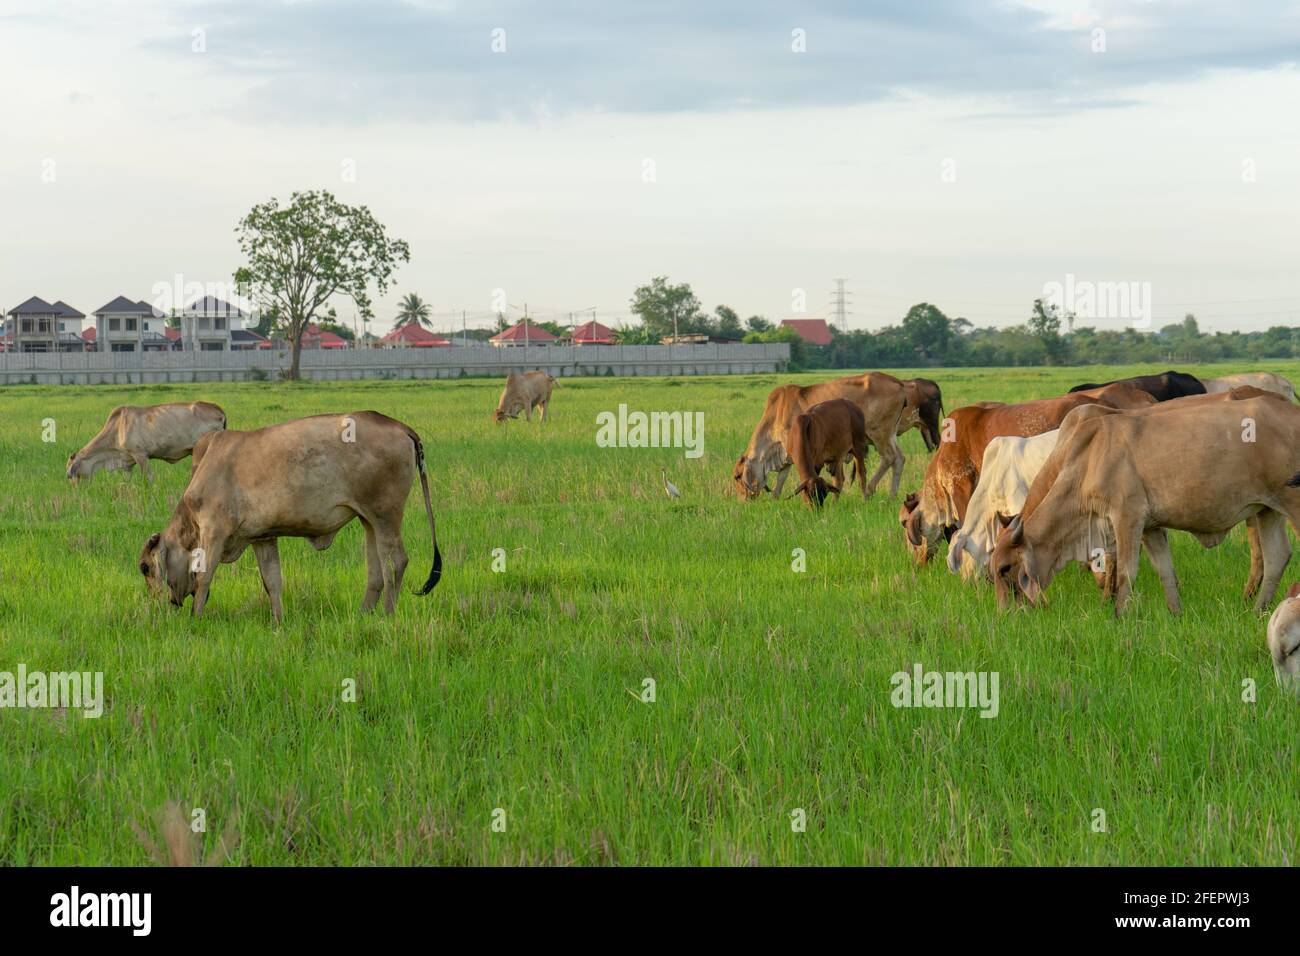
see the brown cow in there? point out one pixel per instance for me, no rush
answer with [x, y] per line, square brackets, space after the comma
[882, 399]
[822, 437]
[950, 478]
[1191, 467]
[135, 433]
[924, 410]
[522, 393]
[300, 479]
[1100, 533]
[1121, 395]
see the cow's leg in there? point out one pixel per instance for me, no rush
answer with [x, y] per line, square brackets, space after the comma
[1256, 558]
[1157, 545]
[374, 568]
[528, 411]
[213, 546]
[1275, 548]
[142, 462]
[898, 461]
[1128, 549]
[268, 562]
[393, 560]
[542, 406]
[860, 462]
[882, 447]
[837, 473]
[782, 474]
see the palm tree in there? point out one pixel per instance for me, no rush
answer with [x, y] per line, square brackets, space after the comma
[411, 310]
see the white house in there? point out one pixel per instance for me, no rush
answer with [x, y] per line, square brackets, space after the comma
[207, 325]
[126, 326]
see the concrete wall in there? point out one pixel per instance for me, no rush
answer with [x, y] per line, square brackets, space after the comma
[125, 368]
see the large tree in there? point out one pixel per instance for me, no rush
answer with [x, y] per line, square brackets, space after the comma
[412, 310]
[666, 309]
[302, 254]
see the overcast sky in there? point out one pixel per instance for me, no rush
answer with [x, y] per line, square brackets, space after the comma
[962, 153]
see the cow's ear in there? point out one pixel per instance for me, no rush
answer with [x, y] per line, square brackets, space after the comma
[1017, 531]
[1002, 520]
[1294, 590]
[153, 541]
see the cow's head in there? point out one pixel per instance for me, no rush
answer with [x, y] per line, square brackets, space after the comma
[166, 567]
[749, 483]
[1015, 576]
[815, 490]
[922, 533]
[75, 468]
[1284, 641]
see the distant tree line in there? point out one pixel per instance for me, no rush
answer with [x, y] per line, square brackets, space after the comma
[926, 336]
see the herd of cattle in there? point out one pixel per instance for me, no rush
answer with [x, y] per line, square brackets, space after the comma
[1017, 491]
[1093, 476]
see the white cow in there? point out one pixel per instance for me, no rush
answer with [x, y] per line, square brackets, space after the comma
[1009, 468]
[1265, 380]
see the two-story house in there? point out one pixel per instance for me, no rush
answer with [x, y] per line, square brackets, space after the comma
[126, 326]
[39, 326]
[208, 324]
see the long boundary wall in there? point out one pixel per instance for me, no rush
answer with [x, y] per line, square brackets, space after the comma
[126, 368]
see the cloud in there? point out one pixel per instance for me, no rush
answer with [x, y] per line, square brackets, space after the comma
[352, 61]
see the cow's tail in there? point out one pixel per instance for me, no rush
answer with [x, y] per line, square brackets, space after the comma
[435, 573]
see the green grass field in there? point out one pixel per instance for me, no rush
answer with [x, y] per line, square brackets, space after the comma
[520, 690]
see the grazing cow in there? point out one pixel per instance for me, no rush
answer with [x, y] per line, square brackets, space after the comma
[1189, 468]
[135, 433]
[1162, 387]
[1009, 467]
[924, 410]
[1284, 640]
[1121, 395]
[954, 470]
[822, 437]
[522, 393]
[1264, 380]
[882, 399]
[300, 479]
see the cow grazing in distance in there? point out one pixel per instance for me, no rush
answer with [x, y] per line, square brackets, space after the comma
[822, 437]
[1186, 468]
[524, 392]
[1262, 380]
[1162, 388]
[135, 433]
[882, 400]
[924, 410]
[1284, 640]
[950, 479]
[301, 479]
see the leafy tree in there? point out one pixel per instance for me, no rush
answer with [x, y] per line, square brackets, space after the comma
[728, 323]
[302, 254]
[666, 309]
[1045, 325]
[412, 310]
[756, 323]
[928, 330]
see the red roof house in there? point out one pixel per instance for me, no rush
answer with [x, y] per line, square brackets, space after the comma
[522, 334]
[314, 337]
[593, 333]
[412, 336]
[812, 331]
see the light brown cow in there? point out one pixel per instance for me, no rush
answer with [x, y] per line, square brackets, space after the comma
[523, 393]
[1099, 532]
[950, 478]
[1284, 640]
[135, 433]
[822, 437]
[1121, 395]
[1203, 468]
[300, 479]
[1264, 380]
[882, 399]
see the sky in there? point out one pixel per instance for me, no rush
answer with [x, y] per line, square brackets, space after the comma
[558, 155]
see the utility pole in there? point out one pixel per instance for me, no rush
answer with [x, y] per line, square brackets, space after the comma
[464, 330]
[840, 302]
